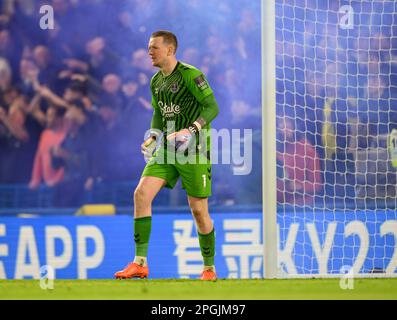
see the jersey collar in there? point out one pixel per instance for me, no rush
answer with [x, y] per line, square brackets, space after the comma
[176, 67]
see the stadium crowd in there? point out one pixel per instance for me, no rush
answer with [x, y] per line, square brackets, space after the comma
[336, 74]
[75, 100]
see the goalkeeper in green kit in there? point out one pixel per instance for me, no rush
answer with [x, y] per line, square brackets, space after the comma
[184, 105]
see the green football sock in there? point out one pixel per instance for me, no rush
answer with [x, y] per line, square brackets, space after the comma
[142, 228]
[207, 246]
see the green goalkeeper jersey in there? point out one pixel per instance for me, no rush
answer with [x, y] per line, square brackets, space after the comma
[176, 98]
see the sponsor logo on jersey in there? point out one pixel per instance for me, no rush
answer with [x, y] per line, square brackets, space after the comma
[174, 87]
[169, 111]
[201, 82]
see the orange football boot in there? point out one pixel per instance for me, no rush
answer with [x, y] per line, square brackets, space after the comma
[208, 275]
[132, 270]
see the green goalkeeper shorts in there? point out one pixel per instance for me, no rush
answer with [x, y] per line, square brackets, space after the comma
[195, 173]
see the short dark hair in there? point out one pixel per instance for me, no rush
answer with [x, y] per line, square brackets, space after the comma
[168, 37]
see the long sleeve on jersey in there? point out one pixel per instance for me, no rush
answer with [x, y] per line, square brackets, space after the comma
[210, 108]
[157, 120]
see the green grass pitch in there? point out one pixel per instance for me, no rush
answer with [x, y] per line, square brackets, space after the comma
[179, 289]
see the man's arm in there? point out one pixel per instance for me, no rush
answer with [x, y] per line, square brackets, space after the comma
[35, 110]
[198, 86]
[46, 93]
[157, 120]
[148, 146]
[183, 137]
[15, 123]
[210, 110]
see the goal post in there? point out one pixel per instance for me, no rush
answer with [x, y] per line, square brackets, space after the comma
[329, 132]
[268, 139]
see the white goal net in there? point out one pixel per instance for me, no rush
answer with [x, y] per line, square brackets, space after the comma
[336, 110]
